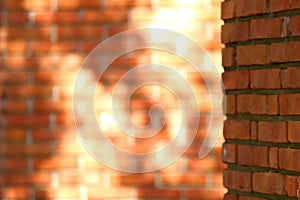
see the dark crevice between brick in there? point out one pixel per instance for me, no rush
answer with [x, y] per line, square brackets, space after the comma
[290, 13]
[261, 195]
[261, 143]
[264, 91]
[258, 67]
[263, 41]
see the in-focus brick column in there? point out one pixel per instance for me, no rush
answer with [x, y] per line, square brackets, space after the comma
[261, 59]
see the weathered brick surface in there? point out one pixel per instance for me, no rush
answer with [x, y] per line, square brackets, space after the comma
[261, 62]
[237, 129]
[271, 183]
[250, 55]
[251, 104]
[252, 155]
[237, 180]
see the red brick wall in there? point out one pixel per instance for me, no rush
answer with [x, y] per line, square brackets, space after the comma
[42, 44]
[261, 59]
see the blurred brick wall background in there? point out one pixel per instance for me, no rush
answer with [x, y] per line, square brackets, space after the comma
[262, 81]
[43, 43]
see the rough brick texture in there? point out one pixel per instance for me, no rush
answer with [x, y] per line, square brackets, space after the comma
[42, 44]
[262, 131]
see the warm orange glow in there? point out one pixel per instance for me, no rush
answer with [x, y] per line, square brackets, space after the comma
[42, 54]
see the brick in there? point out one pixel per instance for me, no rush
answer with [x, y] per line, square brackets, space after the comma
[229, 153]
[292, 186]
[15, 106]
[81, 31]
[261, 54]
[251, 104]
[109, 16]
[134, 179]
[157, 193]
[17, 33]
[272, 131]
[21, 150]
[235, 32]
[16, 47]
[294, 26]
[228, 9]
[273, 157]
[228, 57]
[246, 8]
[244, 55]
[210, 194]
[236, 129]
[182, 179]
[230, 107]
[235, 80]
[37, 178]
[269, 183]
[51, 106]
[228, 196]
[278, 5]
[285, 52]
[255, 54]
[236, 180]
[254, 130]
[17, 192]
[14, 164]
[15, 134]
[26, 5]
[266, 28]
[293, 77]
[253, 155]
[289, 104]
[62, 17]
[265, 78]
[54, 163]
[113, 30]
[273, 105]
[19, 18]
[17, 63]
[78, 4]
[27, 120]
[289, 159]
[294, 132]
[43, 133]
[39, 48]
[62, 119]
[229, 179]
[11, 78]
